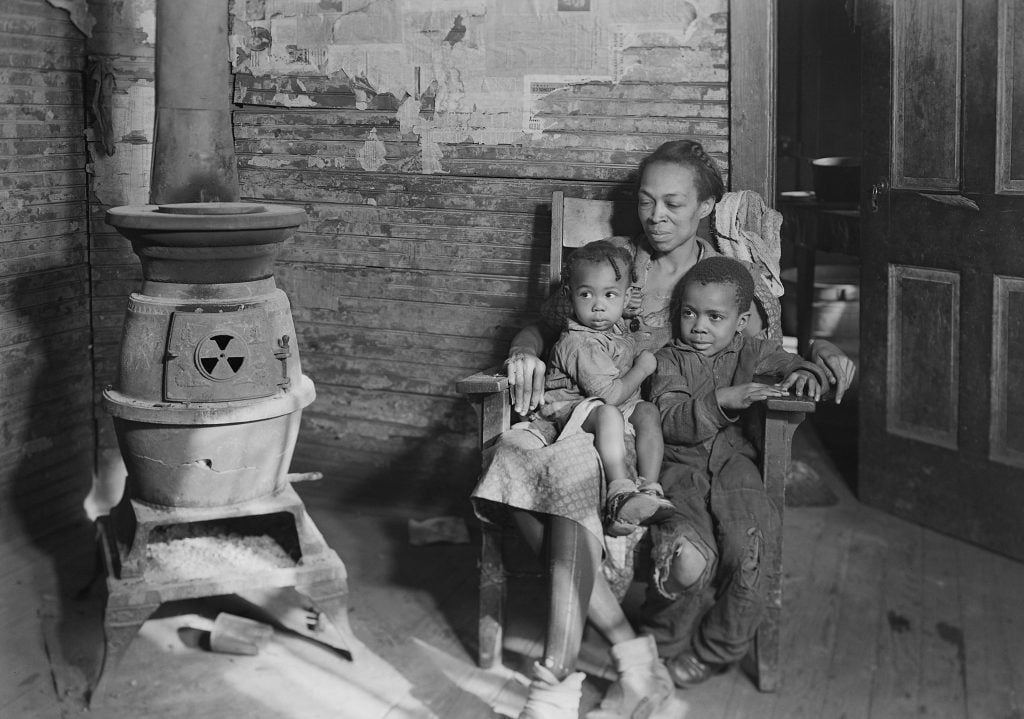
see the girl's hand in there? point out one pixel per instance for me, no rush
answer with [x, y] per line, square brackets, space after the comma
[802, 382]
[526, 377]
[646, 362]
[742, 396]
[839, 369]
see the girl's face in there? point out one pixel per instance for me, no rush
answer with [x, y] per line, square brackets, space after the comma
[669, 207]
[597, 297]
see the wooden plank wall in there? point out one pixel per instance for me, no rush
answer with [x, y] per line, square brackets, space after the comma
[417, 272]
[46, 426]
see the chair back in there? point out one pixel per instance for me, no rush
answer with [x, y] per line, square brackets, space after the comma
[576, 221]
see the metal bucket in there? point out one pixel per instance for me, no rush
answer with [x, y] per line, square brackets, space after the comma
[836, 179]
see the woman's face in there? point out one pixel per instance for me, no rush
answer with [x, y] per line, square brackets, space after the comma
[669, 207]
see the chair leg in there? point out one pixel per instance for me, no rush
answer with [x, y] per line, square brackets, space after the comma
[767, 643]
[492, 599]
[766, 651]
[776, 458]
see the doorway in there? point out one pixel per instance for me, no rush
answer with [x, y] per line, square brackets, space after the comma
[818, 115]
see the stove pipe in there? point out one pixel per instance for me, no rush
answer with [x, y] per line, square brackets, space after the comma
[193, 147]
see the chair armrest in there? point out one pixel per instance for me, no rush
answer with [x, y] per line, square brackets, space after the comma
[782, 416]
[486, 382]
[488, 392]
[790, 403]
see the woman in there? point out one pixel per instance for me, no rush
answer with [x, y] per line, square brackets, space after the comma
[679, 185]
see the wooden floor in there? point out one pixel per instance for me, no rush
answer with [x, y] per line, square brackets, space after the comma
[882, 620]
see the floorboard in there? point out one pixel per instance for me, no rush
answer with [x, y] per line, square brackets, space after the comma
[894, 689]
[813, 622]
[854, 651]
[943, 674]
[881, 620]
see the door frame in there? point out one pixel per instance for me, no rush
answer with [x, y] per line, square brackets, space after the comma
[752, 95]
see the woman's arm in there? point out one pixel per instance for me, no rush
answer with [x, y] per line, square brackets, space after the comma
[838, 368]
[526, 369]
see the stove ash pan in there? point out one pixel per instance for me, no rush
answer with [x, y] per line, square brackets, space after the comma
[210, 388]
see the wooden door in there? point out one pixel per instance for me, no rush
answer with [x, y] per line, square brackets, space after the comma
[942, 301]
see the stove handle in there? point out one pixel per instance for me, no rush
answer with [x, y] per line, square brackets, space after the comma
[282, 353]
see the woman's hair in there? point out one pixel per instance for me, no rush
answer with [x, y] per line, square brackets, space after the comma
[724, 271]
[595, 253]
[706, 175]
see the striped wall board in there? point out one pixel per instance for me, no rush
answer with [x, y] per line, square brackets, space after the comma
[425, 243]
[412, 274]
[46, 422]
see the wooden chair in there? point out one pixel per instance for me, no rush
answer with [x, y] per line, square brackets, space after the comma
[576, 222]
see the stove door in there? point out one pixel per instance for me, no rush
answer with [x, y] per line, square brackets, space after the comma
[222, 357]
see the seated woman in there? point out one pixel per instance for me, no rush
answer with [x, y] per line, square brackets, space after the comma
[553, 490]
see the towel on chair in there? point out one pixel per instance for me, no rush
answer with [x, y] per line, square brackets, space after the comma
[748, 230]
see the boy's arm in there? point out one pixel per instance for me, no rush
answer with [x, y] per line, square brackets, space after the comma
[689, 410]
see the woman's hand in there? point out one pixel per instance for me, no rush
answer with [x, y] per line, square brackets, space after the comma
[839, 369]
[526, 376]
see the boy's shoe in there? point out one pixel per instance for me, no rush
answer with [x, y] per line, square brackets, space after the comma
[688, 670]
[553, 699]
[625, 511]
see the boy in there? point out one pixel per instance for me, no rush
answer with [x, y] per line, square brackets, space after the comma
[593, 384]
[724, 520]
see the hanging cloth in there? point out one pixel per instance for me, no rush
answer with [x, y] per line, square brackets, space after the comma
[748, 230]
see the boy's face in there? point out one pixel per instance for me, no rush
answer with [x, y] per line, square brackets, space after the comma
[597, 297]
[710, 317]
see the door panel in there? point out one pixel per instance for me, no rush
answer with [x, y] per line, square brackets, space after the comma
[942, 301]
[923, 364]
[926, 89]
[1007, 430]
[1010, 101]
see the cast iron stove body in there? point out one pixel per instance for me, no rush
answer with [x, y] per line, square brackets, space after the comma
[206, 408]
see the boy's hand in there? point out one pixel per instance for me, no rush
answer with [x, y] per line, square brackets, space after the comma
[646, 362]
[742, 396]
[803, 382]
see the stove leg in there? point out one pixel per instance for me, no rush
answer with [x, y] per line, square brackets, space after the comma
[330, 597]
[120, 626]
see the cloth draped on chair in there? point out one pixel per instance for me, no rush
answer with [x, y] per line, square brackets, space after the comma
[748, 230]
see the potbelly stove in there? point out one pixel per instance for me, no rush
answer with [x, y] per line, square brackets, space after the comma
[209, 390]
[206, 409]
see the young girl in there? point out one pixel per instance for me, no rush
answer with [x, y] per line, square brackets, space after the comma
[593, 384]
